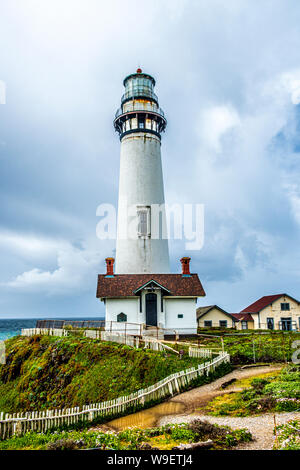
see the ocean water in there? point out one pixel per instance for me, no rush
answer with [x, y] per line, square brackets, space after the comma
[12, 327]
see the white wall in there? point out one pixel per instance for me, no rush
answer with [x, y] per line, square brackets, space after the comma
[187, 307]
[141, 183]
[167, 319]
[129, 306]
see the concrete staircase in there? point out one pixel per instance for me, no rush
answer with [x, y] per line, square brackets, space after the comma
[153, 332]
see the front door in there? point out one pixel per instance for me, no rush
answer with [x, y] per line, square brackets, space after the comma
[151, 309]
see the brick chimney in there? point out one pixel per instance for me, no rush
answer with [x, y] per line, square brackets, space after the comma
[110, 266]
[185, 264]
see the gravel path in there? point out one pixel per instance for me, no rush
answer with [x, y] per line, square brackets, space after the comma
[260, 426]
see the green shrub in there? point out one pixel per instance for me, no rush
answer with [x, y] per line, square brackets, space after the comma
[204, 429]
[65, 444]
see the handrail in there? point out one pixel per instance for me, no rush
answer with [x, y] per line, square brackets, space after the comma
[158, 111]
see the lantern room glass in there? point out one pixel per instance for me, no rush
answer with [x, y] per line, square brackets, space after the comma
[139, 86]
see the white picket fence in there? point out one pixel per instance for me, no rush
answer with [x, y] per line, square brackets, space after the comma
[42, 421]
[154, 344]
[93, 334]
[44, 331]
[201, 352]
[120, 338]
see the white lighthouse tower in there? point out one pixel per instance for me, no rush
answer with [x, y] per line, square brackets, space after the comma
[142, 244]
[141, 296]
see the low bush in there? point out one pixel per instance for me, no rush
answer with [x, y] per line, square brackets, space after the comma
[164, 438]
[288, 436]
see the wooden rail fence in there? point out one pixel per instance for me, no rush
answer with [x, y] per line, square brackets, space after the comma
[113, 336]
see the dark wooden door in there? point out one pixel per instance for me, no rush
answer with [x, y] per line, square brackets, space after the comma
[151, 309]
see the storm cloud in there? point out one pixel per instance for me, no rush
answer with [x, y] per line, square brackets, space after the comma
[228, 78]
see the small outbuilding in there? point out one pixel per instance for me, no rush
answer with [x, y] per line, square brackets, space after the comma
[244, 321]
[213, 316]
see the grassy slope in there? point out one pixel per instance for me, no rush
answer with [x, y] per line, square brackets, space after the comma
[46, 372]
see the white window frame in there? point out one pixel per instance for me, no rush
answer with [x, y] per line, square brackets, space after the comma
[145, 210]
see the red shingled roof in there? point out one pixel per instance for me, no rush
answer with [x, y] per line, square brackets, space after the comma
[262, 303]
[242, 316]
[125, 285]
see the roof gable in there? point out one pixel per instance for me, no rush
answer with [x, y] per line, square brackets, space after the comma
[264, 302]
[151, 282]
[201, 311]
[242, 317]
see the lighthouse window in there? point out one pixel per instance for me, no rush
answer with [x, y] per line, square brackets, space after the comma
[144, 222]
[141, 123]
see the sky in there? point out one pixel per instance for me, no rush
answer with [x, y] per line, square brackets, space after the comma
[228, 79]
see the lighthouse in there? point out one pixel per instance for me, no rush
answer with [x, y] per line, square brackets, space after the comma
[142, 244]
[140, 293]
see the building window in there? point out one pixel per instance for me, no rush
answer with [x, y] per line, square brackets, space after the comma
[121, 317]
[141, 122]
[143, 221]
[270, 323]
[141, 303]
[208, 323]
[285, 324]
[223, 323]
[180, 315]
[244, 325]
[285, 306]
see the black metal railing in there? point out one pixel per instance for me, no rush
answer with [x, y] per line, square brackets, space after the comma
[158, 111]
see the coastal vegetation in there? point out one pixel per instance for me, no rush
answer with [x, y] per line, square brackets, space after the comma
[161, 438]
[46, 372]
[272, 392]
[288, 436]
[251, 346]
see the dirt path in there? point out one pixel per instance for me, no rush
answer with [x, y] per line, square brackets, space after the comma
[200, 396]
[261, 426]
